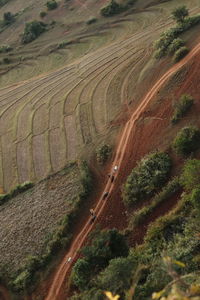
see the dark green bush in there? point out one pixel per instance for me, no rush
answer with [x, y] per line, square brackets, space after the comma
[187, 141]
[103, 153]
[52, 4]
[145, 179]
[104, 246]
[180, 13]
[111, 9]
[32, 31]
[184, 104]
[175, 45]
[6, 60]
[190, 177]
[139, 216]
[43, 14]
[5, 48]
[3, 2]
[180, 53]
[8, 18]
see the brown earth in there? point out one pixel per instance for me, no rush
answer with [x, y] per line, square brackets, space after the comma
[132, 145]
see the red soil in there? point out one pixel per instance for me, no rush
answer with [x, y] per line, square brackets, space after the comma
[131, 147]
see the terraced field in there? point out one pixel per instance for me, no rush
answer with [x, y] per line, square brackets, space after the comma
[55, 118]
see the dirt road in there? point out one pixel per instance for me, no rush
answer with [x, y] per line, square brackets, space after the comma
[65, 267]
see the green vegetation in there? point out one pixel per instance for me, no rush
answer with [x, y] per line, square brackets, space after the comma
[187, 141]
[180, 53]
[5, 48]
[104, 246]
[8, 18]
[27, 276]
[145, 179]
[113, 8]
[169, 43]
[91, 20]
[191, 176]
[180, 13]
[3, 2]
[103, 153]
[168, 191]
[32, 30]
[20, 188]
[43, 14]
[52, 4]
[182, 107]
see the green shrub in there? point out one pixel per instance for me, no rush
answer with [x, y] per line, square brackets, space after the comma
[147, 177]
[8, 18]
[3, 2]
[180, 13]
[5, 48]
[43, 14]
[103, 153]
[139, 216]
[175, 45]
[111, 9]
[6, 60]
[187, 141]
[184, 104]
[104, 246]
[91, 20]
[190, 177]
[32, 31]
[180, 53]
[52, 4]
[117, 276]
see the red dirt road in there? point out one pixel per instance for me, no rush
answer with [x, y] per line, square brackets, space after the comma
[64, 268]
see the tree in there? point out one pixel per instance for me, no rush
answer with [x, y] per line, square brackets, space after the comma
[8, 18]
[32, 31]
[187, 141]
[180, 13]
[191, 174]
[117, 276]
[81, 273]
[52, 4]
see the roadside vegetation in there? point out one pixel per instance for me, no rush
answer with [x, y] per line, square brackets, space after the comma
[114, 8]
[147, 178]
[187, 141]
[182, 107]
[169, 42]
[103, 153]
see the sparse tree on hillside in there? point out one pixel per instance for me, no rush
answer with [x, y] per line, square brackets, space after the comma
[8, 18]
[180, 13]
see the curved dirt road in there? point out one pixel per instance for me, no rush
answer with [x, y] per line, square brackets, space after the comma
[64, 267]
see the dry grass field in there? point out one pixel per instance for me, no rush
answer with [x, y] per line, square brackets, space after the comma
[29, 219]
[51, 119]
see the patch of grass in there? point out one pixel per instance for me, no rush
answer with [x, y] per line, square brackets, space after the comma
[20, 188]
[169, 190]
[180, 53]
[145, 179]
[187, 141]
[182, 107]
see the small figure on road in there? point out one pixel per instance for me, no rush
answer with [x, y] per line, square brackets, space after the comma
[105, 195]
[93, 219]
[112, 178]
[92, 212]
[69, 259]
[115, 168]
